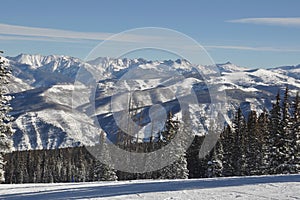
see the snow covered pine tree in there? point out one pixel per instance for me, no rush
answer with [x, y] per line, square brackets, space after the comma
[296, 136]
[178, 169]
[102, 171]
[5, 126]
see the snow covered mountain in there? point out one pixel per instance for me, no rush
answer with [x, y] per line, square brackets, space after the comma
[43, 90]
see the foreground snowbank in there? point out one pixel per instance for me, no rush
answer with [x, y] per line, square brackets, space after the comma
[263, 187]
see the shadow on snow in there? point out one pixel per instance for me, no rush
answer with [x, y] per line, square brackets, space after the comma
[110, 190]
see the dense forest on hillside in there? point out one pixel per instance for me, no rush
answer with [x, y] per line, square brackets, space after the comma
[257, 144]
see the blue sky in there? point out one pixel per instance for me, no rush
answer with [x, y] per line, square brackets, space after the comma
[254, 33]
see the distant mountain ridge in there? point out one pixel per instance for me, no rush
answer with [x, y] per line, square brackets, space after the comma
[43, 86]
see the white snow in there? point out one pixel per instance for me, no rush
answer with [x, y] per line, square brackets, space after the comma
[263, 187]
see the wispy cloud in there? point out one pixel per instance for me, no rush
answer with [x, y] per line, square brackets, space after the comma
[249, 48]
[47, 39]
[13, 32]
[276, 21]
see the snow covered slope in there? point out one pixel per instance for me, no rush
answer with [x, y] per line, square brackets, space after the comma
[43, 86]
[263, 187]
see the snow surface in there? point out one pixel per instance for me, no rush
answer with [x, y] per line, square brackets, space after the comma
[263, 187]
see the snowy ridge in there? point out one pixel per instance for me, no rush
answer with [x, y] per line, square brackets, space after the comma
[229, 67]
[292, 71]
[43, 86]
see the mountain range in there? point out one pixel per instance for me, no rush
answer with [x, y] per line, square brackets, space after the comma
[51, 112]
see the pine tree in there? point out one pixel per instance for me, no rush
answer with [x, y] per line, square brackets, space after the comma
[102, 170]
[19, 168]
[80, 166]
[239, 148]
[215, 165]
[5, 126]
[45, 177]
[276, 141]
[178, 169]
[263, 129]
[227, 139]
[253, 145]
[286, 129]
[171, 128]
[286, 118]
[281, 132]
[295, 145]
[37, 176]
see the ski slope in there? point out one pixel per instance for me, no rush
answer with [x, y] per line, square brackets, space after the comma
[263, 187]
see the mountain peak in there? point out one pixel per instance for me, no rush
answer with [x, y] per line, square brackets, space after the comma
[229, 67]
[34, 60]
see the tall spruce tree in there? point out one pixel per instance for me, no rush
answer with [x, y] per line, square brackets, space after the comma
[263, 129]
[227, 139]
[286, 118]
[239, 148]
[215, 165]
[253, 145]
[276, 141]
[295, 131]
[102, 171]
[286, 150]
[178, 169]
[5, 119]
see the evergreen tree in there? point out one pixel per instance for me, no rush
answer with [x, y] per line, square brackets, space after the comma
[253, 145]
[276, 141]
[295, 145]
[281, 133]
[227, 138]
[171, 129]
[215, 165]
[263, 129]
[286, 149]
[45, 176]
[19, 169]
[239, 148]
[37, 172]
[286, 118]
[80, 175]
[102, 170]
[196, 166]
[5, 126]
[178, 169]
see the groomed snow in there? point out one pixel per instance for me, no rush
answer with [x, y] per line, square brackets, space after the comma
[263, 187]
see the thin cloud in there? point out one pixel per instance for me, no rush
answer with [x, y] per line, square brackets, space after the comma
[276, 21]
[249, 48]
[13, 32]
[46, 34]
[44, 39]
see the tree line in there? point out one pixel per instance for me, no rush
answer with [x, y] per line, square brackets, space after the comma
[268, 143]
[78, 164]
